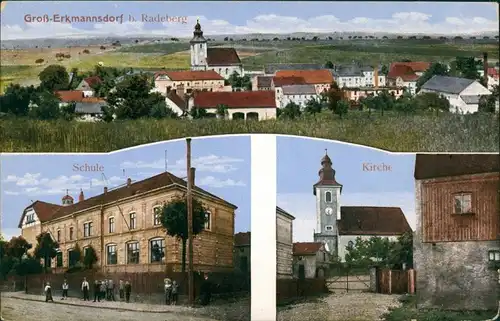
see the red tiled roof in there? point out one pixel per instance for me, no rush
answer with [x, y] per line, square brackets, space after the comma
[43, 211]
[404, 72]
[91, 81]
[188, 75]
[442, 165]
[161, 180]
[67, 96]
[311, 77]
[368, 220]
[493, 72]
[286, 81]
[242, 239]
[235, 99]
[306, 248]
[222, 57]
[416, 66]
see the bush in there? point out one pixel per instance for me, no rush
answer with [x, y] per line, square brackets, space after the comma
[78, 267]
[39, 61]
[102, 48]
[86, 51]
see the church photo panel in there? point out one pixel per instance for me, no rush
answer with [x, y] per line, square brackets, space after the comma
[333, 199]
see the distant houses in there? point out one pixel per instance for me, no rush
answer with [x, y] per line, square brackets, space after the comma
[456, 243]
[88, 84]
[200, 80]
[356, 76]
[87, 108]
[463, 94]
[406, 74]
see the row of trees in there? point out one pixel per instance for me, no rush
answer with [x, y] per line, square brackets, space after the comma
[16, 260]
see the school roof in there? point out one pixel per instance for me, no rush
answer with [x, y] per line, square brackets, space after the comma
[429, 166]
[287, 81]
[299, 90]
[372, 220]
[446, 84]
[235, 99]
[52, 211]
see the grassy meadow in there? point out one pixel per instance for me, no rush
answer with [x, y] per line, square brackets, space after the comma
[18, 66]
[399, 133]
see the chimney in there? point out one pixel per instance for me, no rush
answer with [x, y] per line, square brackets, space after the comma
[485, 68]
[105, 189]
[375, 76]
[129, 182]
[81, 197]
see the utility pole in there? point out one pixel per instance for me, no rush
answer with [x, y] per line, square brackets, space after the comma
[189, 202]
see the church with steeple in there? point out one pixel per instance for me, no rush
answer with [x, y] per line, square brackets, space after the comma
[338, 227]
[224, 61]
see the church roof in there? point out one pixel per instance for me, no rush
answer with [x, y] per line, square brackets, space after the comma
[443, 165]
[222, 57]
[370, 220]
[306, 248]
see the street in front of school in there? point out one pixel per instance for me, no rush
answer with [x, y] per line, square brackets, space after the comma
[19, 306]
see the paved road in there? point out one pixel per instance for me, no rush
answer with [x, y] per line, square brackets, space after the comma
[22, 310]
[341, 307]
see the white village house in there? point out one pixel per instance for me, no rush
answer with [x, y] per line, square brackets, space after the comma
[339, 226]
[463, 94]
[224, 61]
[354, 76]
[298, 94]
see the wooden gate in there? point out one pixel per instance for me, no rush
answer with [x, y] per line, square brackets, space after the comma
[343, 278]
[393, 281]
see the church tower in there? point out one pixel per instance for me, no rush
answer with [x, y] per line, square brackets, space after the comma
[327, 191]
[198, 49]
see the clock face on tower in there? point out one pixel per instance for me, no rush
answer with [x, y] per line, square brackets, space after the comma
[328, 211]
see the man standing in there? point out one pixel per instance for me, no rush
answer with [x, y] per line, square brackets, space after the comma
[103, 289]
[206, 291]
[111, 290]
[97, 291]
[65, 288]
[128, 290]
[121, 290]
[85, 289]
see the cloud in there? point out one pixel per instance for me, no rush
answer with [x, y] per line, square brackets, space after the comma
[400, 22]
[33, 184]
[211, 181]
[303, 207]
[209, 163]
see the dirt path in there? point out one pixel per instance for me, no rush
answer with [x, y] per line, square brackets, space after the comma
[340, 307]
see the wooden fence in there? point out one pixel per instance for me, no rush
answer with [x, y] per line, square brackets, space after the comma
[291, 289]
[395, 281]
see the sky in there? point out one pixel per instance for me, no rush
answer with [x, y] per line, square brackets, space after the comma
[299, 160]
[242, 17]
[221, 169]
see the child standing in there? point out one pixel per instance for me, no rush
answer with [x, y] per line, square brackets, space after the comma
[175, 291]
[48, 293]
[65, 288]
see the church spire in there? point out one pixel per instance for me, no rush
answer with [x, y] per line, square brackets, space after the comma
[326, 173]
[198, 33]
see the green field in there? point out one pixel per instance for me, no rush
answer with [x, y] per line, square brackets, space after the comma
[403, 133]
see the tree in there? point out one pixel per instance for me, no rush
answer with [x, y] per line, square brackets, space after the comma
[133, 99]
[198, 113]
[341, 108]
[384, 70]
[435, 69]
[364, 252]
[487, 103]
[17, 247]
[222, 111]
[313, 106]
[240, 82]
[405, 103]
[28, 265]
[465, 67]
[291, 111]
[90, 258]
[54, 77]
[46, 249]
[402, 252]
[161, 110]
[333, 96]
[76, 255]
[431, 101]
[17, 99]
[174, 220]
[329, 65]
[46, 106]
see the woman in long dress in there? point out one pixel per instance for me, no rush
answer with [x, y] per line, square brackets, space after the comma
[48, 293]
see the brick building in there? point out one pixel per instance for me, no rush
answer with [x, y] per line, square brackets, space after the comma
[457, 240]
[123, 227]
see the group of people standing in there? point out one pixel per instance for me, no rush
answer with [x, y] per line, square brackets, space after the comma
[103, 290]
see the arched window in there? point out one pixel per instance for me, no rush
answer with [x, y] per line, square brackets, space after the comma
[133, 251]
[156, 250]
[111, 254]
[328, 197]
[72, 258]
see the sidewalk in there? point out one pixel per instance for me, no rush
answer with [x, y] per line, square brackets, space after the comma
[112, 305]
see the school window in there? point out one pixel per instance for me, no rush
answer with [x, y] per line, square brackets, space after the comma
[30, 218]
[70, 233]
[328, 197]
[494, 256]
[87, 229]
[133, 253]
[156, 216]
[111, 223]
[133, 221]
[111, 257]
[463, 203]
[208, 220]
[157, 250]
[72, 258]
[59, 259]
[58, 236]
